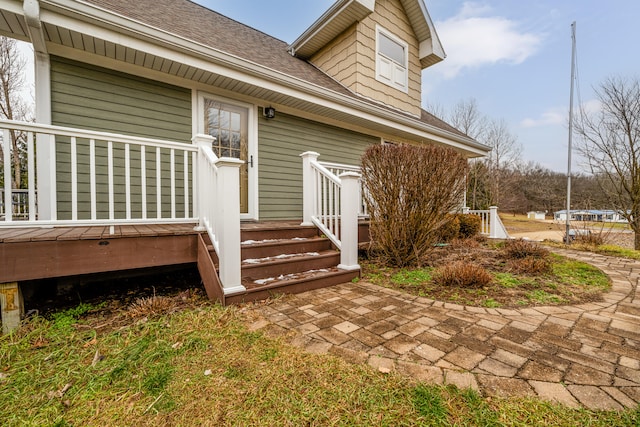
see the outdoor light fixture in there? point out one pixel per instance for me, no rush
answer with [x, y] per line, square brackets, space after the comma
[269, 112]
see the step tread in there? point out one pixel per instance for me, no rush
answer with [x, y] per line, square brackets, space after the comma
[285, 258]
[293, 278]
[275, 242]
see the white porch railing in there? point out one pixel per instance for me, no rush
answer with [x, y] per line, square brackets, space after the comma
[98, 178]
[491, 224]
[331, 203]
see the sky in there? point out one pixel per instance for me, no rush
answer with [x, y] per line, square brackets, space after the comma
[512, 56]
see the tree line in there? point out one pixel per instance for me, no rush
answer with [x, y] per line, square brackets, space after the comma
[503, 179]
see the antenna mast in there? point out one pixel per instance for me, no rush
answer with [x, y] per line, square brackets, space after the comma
[573, 71]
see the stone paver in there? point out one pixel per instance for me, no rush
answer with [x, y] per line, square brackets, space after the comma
[585, 355]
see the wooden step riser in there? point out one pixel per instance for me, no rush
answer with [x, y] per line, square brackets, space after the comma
[293, 288]
[293, 265]
[287, 247]
[277, 233]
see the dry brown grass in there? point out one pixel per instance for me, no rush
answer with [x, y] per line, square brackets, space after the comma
[519, 249]
[529, 265]
[462, 274]
[157, 305]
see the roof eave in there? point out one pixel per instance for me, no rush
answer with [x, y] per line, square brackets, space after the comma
[334, 21]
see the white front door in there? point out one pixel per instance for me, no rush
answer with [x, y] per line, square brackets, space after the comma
[232, 124]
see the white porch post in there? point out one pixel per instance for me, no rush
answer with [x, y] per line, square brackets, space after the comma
[199, 205]
[45, 145]
[493, 222]
[349, 202]
[228, 230]
[307, 186]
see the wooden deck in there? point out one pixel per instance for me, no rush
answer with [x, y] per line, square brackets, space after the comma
[38, 253]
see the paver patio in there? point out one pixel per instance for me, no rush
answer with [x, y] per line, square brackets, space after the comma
[587, 354]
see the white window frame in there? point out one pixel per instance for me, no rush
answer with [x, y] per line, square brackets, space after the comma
[399, 76]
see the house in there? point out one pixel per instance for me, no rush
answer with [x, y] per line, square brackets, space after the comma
[163, 113]
[536, 215]
[592, 215]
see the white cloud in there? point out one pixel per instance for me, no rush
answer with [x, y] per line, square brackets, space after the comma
[473, 39]
[553, 116]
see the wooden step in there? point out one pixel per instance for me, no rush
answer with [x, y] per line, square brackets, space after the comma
[296, 263]
[273, 247]
[309, 282]
[277, 231]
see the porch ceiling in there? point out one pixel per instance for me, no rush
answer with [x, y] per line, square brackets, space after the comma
[72, 42]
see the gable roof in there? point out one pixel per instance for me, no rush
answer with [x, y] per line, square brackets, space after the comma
[200, 44]
[345, 13]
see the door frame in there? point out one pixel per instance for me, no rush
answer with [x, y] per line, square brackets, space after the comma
[252, 146]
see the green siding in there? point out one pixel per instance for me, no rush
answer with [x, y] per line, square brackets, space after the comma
[88, 97]
[281, 141]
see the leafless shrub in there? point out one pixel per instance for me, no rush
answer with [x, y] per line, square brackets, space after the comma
[410, 191]
[519, 249]
[590, 235]
[462, 274]
[530, 265]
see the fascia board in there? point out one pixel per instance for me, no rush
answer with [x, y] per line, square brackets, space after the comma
[323, 25]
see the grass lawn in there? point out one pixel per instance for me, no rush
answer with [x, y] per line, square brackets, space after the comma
[200, 365]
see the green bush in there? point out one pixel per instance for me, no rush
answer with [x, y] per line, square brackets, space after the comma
[469, 225]
[450, 230]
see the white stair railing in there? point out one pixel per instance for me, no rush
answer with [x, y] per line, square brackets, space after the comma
[219, 210]
[339, 168]
[332, 202]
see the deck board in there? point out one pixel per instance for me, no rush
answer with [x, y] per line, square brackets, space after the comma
[40, 234]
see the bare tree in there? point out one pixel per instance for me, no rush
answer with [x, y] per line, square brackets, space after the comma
[12, 106]
[610, 143]
[504, 157]
[466, 117]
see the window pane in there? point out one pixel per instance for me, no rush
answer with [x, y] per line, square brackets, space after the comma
[224, 119]
[391, 49]
[235, 122]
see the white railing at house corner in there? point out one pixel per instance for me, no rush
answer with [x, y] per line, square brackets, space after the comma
[331, 203]
[219, 210]
[491, 224]
[338, 169]
[19, 203]
[98, 178]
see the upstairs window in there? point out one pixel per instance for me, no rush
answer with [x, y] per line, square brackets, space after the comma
[392, 60]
